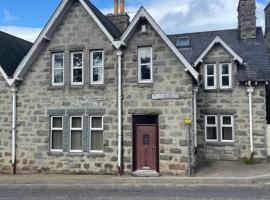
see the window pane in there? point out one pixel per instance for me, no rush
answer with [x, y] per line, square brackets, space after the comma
[227, 120]
[227, 133]
[77, 75]
[210, 69]
[76, 140]
[77, 60]
[56, 139]
[96, 122]
[145, 72]
[97, 140]
[97, 74]
[58, 76]
[211, 120]
[76, 122]
[225, 81]
[97, 58]
[145, 55]
[210, 81]
[211, 133]
[58, 61]
[57, 122]
[225, 69]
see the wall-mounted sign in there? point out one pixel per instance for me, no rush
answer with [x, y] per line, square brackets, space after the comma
[165, 96]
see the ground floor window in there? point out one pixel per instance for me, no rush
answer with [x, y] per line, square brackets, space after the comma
[56, 133]
[96, 132]
[76, 128]
[219, 128]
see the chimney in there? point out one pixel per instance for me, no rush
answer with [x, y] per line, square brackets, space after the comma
[267, 24]
[247, 19]
[120, 20]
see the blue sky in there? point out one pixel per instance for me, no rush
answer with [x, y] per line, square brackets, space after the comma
[25, 18]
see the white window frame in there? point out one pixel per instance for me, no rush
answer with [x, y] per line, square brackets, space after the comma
[211, 125]
[221, 75]
[206, 77]
[53, 68]
[75, 129]
[228, 126]
[95, 129]
[56, 129]
[100, 66]
[72, 67]
[140, 64]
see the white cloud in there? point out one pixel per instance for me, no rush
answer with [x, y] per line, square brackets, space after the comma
[8, 17]
[29, 34]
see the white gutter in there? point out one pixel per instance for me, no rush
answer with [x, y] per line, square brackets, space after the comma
[14, 124]
[195, 91]
[119, 54]
[250, 91]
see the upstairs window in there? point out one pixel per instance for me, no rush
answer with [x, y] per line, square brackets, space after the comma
[76, 128]
[183, 42]
[225, 75]
[77, 68]
[57, 69]
[56, 133]
[96, 132]
[211, 128]
[210, 76]
[97, 67]
[145, 68]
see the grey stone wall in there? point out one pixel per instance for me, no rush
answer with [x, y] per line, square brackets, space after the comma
[5, 126]
[231, 102]
[247, 18]
[169, 77]
[36, 96]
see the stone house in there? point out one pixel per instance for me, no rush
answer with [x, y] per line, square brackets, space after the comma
[99, 94]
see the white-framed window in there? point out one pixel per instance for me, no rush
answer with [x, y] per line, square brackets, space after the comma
[56, 138]
[225, 75]
[145, 65]
[57, 69]
[97, 67]
[211, 128]
[76, 129]
[77, 75]
[210, 71]
[226, 128]
[96, 134]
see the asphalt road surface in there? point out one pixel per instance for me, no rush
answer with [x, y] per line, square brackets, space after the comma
[126, 192]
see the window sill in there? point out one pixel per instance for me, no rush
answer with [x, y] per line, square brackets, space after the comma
[76, 86]
[56, 87]
[229, 90]
[220, 144]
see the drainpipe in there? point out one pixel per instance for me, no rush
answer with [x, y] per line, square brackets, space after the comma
[119, 54]
[250, 90]
[195, 91]
[13, 157]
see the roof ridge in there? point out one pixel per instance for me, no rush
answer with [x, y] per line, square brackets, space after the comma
[202, 32]
[15, 37]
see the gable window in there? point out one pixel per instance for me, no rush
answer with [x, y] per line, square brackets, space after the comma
[210, 76]
[225, 75]
[97, 67]
[56, 133]
[77, 68]
[145, 71]
[96, 132]
[57, 69]
[211, 128]
[76, 128]
[226, 128]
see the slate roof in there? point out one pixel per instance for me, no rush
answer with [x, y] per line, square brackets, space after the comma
[254, 51]
[116, 34]
[12, 51]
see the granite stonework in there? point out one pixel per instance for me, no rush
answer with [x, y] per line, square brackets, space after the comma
[5, 128]
[231, 102]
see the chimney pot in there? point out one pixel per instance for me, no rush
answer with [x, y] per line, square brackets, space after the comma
[122, 6]
[116, 6]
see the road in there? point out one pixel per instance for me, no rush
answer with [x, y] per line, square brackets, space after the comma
[127, 192]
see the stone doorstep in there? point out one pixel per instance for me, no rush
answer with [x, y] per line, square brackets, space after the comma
[145, 173]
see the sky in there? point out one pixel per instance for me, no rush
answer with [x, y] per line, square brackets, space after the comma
[26, 18]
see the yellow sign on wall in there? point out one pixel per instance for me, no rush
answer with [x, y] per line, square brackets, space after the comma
[188, 121]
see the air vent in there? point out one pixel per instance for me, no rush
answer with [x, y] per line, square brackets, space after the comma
[183, 42]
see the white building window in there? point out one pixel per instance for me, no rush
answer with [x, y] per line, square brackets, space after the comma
[77, 68]
[76, 129]
[211, 128]
[225, 76]
[57, 69]
[227, 128]
[97, 67]
[210, 76]
[56, 134]
[96, 134]
[145, 68]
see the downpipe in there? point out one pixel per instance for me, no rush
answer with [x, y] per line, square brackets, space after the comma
[14, 124]
[250, 91]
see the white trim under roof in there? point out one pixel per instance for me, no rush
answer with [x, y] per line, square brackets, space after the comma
[143, 13]
[216, 40]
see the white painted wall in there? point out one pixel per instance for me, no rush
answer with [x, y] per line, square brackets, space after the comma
[268, 139]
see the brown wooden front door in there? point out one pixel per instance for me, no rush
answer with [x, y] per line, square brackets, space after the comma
[146, 147]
